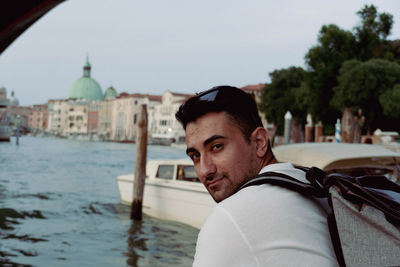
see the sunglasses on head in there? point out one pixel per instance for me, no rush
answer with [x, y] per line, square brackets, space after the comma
[211, 94]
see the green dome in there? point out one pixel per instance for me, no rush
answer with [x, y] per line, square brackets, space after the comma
[110, 93]
[85, 87]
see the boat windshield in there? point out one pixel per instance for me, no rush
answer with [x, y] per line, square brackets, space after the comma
[165, 171]
[187, 173]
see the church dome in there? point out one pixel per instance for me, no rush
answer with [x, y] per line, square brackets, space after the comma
[85, 87]
[110, 93]
[13, 100]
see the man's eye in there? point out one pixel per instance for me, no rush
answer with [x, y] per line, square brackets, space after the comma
[216, 147]
[194, 156]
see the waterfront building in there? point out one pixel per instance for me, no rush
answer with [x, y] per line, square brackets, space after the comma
[164, 125]
[14, 109]
[4, 120]
[93, 119]
[58, 111]
[38, 118]
[125, 114]
[105, 114]
[23, 112]
[3, 96]
[78, 116]
[104, 119]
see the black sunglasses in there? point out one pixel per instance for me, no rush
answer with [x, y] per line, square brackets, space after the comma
[210, 95]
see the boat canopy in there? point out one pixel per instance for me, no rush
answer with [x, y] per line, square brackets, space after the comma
[336, 156]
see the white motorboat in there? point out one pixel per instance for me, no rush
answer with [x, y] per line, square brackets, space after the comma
[172, 191]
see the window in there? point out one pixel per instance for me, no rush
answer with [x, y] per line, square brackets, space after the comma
[187, 173]
[165, 171]
[134, 119]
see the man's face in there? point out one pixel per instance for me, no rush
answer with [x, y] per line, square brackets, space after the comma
[222, 157]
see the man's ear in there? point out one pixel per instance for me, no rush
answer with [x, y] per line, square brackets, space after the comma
[260, 138]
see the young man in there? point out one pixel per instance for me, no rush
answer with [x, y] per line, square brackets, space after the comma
[259, 225]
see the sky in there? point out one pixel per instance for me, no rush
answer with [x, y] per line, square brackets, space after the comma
[150, 46]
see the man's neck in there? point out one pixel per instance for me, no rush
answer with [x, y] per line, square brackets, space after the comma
[269, 159]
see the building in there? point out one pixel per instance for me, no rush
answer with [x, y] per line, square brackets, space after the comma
[77, 116]
[125, 111]
[58, 111]
[24, 115]
[104, 119]
[105, 114]
[93, 118]
[38, 118]
[164, 125]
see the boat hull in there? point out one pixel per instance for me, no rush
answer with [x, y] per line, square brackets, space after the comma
[186, 202]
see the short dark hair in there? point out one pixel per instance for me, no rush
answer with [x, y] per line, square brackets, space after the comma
[239, 105]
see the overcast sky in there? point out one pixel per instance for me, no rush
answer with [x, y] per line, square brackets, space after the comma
[150, 46]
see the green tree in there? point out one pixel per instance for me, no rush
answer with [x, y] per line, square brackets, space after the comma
[335, 46]
[369, 85]
[390, 101]
[285, 92]
[372, 33]
[324, 61]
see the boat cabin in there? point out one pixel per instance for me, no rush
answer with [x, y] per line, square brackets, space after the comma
[178, 170]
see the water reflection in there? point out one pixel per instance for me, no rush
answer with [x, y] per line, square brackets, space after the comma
[159, 243]
[136, 243]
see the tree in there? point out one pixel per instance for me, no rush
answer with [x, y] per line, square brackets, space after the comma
[324, 61]
[335, 46]
[372, 33]
[390, 101]
[284, 93]
[369, 86]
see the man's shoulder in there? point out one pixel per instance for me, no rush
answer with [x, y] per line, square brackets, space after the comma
[255, 200]
[269, 195]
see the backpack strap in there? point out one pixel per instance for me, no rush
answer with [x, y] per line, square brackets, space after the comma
[286, 181]
[314, 189]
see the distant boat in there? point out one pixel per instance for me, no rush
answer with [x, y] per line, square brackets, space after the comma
[172, 191]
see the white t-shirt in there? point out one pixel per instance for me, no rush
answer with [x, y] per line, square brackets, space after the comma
[266, 225]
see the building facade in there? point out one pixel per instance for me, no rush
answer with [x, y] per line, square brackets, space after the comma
[164, 124]
[38, 118]
[125, 111]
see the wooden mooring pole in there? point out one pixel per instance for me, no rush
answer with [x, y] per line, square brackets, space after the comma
[140, 165]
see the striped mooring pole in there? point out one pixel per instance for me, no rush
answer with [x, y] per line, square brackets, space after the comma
[338, 135]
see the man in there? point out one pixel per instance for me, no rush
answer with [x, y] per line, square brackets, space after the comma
[261, 225]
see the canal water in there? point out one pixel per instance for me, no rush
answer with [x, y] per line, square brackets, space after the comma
[60, 206]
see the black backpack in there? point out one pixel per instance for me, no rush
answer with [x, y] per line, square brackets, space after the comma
[363, 213]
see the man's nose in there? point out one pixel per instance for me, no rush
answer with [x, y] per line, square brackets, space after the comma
[207, 168]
